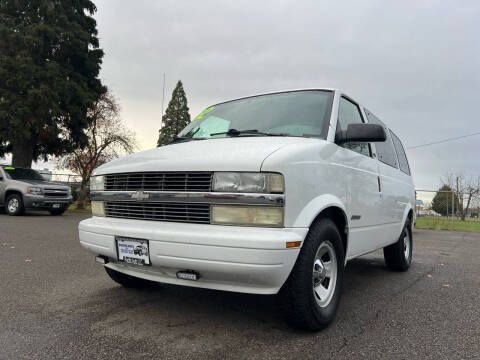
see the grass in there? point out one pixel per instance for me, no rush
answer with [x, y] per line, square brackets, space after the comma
[88, 207]
[442, 223]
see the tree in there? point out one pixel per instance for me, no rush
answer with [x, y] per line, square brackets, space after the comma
[442, 201]
[467, 189]
[176, 116]
[108, 138]
[49, 65]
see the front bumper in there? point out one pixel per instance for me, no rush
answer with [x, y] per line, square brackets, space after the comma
[241, 259]
[44, 202]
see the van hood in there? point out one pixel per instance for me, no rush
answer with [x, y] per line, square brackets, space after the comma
[224, 154]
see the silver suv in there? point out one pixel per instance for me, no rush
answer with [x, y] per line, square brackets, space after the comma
[22, 188]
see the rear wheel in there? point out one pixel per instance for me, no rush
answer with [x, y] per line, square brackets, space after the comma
[311, 295]
[57, 212]
[14, 205]
[398, 256]
[127, 280]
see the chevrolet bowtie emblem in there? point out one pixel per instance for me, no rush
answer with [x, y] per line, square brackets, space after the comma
[140, 195]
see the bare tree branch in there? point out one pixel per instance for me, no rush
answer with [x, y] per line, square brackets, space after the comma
[108, 138]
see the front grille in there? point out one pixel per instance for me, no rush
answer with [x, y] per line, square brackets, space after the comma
[159, 181]
[55, 192]
[157, 211]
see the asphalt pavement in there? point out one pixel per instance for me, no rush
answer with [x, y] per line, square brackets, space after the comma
[57, 303]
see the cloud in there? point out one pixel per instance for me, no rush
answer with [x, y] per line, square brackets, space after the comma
[413, 64]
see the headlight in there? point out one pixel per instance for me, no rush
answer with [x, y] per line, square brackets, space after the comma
[34, 190]
[248, 182]
[97, 183]
[98, 208]
[247, 215]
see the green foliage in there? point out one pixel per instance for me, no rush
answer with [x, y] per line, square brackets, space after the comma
[176, 116]
[49, 65]
[441, 223]
[442, 201]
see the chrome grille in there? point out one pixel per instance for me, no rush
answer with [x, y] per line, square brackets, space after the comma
[159, 181]
[157, 211]
[55, 192]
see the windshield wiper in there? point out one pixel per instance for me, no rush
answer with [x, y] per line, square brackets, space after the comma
[235, 132]
[185, 138]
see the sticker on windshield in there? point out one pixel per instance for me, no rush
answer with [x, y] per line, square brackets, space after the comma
[9, 168]
[204, 112]
[212, 125]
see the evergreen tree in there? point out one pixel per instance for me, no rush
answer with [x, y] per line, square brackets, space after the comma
[49, 65]
[176, 116]
[442, 201]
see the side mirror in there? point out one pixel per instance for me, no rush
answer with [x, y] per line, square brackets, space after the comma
[361, 133]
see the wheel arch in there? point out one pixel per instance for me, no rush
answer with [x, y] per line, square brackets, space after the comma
[338, 216]
[11, 192]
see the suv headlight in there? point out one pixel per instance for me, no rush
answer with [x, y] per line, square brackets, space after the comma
[34, 190]
[248, 182]
[97, 183]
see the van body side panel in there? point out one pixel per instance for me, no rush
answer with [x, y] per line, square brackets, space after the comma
[308, 171]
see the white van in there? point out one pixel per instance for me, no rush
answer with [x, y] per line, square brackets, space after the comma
[266, 194]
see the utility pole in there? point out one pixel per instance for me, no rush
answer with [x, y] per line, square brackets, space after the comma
[163, 95]
[453, 212]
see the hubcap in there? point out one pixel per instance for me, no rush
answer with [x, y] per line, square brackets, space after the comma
[406, 245]
[324, 277]
[13, 205]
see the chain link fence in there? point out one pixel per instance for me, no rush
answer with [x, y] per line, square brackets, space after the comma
[446, 210]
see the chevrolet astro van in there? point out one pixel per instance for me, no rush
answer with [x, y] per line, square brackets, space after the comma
[265, 194]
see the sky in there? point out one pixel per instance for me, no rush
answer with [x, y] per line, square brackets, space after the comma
[414, 64]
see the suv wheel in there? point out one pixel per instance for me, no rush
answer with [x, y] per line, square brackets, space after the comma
[14, 205]
[57, 212]
[311, 295]
[398, 256]
[127, 280]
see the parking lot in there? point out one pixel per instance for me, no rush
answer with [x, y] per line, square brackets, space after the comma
[56, 302]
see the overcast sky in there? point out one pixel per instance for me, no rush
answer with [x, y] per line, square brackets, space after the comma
[415, 64]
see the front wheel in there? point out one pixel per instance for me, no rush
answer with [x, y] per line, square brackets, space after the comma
[398, 256]
[311, 295]
[14, 205]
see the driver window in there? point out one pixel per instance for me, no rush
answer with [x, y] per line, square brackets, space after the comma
[349, 113]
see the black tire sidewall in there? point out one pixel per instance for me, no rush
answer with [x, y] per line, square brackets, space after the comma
[394, 254]
[328, 313]
[297, 294]
[408, 228]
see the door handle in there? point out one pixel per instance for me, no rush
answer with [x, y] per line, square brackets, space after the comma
[379, 185]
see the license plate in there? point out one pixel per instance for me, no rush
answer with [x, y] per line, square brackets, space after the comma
[133, 251]
[56, 206]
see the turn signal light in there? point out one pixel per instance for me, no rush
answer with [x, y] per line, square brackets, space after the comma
[293, 244]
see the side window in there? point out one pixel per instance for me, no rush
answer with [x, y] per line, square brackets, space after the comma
[385, 151]
[349, 113]
[402, 157]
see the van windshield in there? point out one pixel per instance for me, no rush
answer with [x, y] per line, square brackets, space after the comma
[296, 113]
[22, 174]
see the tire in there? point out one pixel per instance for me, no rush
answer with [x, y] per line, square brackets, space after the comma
[127, 280]
[398, 256]
[57, 212]
[302, 305]
[14, 205]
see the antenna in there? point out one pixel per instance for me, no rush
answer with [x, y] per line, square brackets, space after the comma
[163, 94]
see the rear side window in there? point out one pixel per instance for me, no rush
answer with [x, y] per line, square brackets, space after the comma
[402, 157]
[385, 150]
